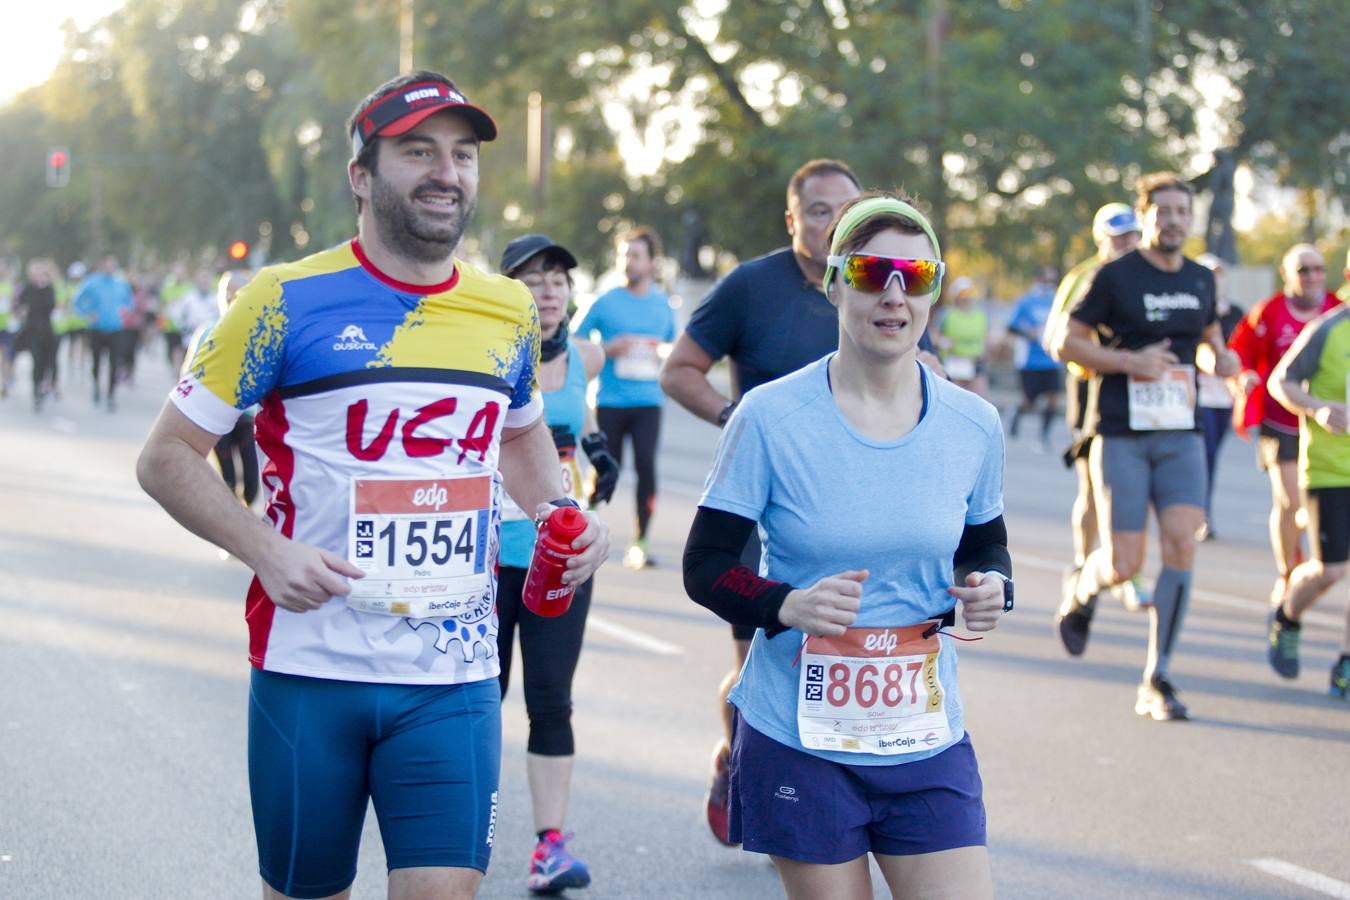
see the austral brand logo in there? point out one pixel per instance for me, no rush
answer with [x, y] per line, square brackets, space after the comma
[353, 338]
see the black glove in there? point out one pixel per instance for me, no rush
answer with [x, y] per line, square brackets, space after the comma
[563, 438]
[606, 467]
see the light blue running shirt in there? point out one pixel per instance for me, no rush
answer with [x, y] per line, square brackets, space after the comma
[828, 499]
[621, 312]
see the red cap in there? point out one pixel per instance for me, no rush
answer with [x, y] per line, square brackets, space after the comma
[566, 523]
[400, 111]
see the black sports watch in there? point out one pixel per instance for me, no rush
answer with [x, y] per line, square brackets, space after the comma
[726, 414]
[1007, 589]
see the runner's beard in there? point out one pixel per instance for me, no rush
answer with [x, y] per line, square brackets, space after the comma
[411, 234]
[1169, 245]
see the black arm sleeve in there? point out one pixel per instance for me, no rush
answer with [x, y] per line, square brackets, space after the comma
[983, 548]
[715, 578]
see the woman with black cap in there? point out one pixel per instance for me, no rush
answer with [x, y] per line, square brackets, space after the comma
[550, 647]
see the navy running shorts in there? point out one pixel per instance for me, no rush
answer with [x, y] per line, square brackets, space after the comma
[1036, 382]
[1130, 471]
[1329, 523]
[786, 802]
[318, 750]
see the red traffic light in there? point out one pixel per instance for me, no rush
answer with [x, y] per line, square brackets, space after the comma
[58, 167]
[238, 250]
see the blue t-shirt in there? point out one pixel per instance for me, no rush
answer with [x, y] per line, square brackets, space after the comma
[1028, 321]
[105, 299]
[828, 499]
[768, 318]
[565, 407]
[631, 380]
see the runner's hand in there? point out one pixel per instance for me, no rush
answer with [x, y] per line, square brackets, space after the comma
[300, 577]
[1151, 361]
[1248, 381]
[981, 600]
[826, 608]
[606, 467]
[1227, 363]
[593, 542]
[1331, 416]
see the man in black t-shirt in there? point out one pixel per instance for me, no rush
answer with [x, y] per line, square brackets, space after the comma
[1138, 328]
[771, 317]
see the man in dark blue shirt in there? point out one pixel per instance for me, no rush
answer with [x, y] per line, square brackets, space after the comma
[770, 316]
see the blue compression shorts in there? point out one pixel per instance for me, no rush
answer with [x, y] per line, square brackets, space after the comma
[427, 755]
[789, 803]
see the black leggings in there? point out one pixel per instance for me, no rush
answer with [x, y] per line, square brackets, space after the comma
[42, 344]
[549, 649]
[643, 425]
[106, 343]
[239, 441]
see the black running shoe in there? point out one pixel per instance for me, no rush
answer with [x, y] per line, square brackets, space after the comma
[1073, 619]
[1157, 699]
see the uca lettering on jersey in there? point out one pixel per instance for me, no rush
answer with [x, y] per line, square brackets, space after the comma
[353, 337]
[424, 433]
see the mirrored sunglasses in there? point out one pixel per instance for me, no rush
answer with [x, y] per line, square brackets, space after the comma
[865, 272]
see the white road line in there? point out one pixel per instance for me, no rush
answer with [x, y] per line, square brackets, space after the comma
[632, 636]
[1313, 881]
[1213, 598]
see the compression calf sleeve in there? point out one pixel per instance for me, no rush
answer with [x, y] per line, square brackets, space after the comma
[1171, 595]
[715, 578]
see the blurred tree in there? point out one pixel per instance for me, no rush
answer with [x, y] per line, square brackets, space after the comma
[1288, 113]
[1011, 120]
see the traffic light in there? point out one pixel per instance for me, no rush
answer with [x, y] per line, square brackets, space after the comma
[58, 167]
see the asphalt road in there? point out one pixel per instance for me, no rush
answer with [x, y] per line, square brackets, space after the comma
[122, 713]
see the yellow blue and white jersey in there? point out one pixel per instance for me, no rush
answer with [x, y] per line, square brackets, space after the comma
[363, 377]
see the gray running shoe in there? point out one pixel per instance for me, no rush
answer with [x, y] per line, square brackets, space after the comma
[1157, 699]
[1283, 650]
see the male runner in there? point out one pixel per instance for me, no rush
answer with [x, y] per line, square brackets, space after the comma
[398, 398]
[1138, 328]
[1115, 231]
[1037, 371]
[1263, 336]
[635, 325]
[1311, 380]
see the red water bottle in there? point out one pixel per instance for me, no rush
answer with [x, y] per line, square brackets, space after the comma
[544, 593]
